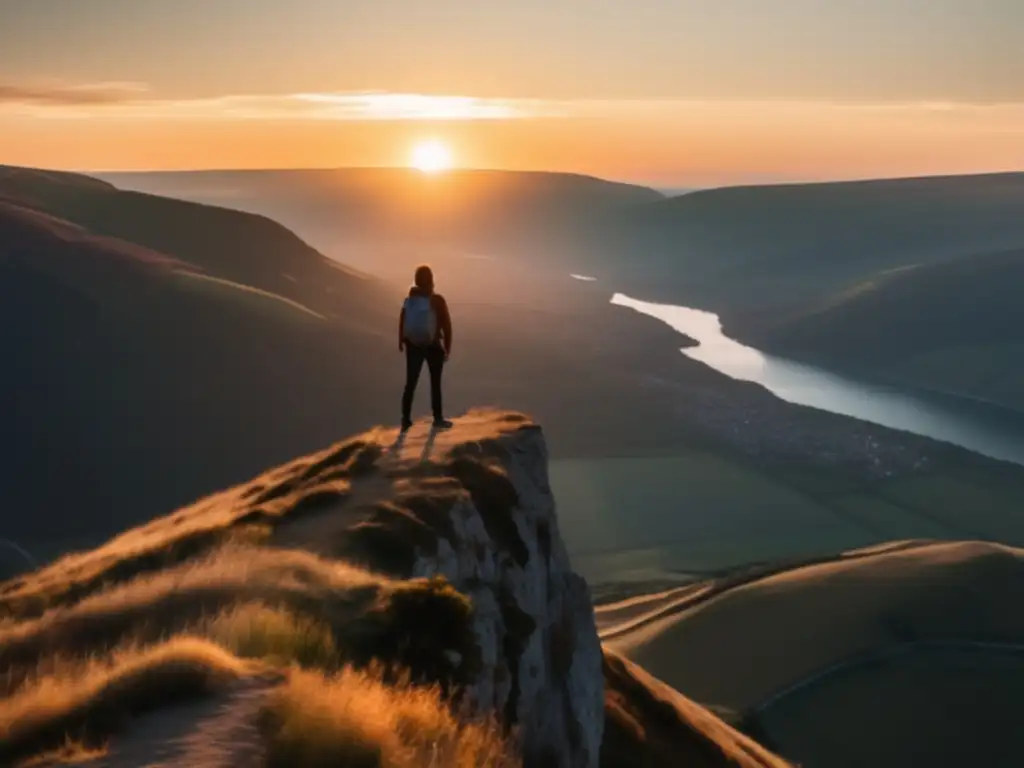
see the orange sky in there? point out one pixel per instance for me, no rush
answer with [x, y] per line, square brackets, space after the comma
[692, 92]
[657, 143]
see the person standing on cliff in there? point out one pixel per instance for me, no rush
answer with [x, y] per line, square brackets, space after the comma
[425, 335]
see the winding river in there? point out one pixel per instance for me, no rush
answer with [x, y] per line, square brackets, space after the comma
[987, 429]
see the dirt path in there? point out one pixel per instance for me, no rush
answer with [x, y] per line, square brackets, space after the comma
[219, 732]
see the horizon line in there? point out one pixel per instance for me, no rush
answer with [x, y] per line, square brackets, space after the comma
[553, 172]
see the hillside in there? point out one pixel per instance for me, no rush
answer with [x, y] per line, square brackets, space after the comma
[765, 248]
[374, 217]
[145, 380]
[143, 330]
[228, 244]
[122, 360]
[957, 325]
[270, 624]
[916, 643]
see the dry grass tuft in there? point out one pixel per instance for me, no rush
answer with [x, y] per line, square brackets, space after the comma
[176, 600]
[287, 604]
[89, 702]
[70, 753]
[276, 635]
[354, 719]
[246, 513]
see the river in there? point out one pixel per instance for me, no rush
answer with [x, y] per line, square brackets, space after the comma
[986, 429]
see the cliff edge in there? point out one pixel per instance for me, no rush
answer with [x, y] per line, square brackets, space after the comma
[393, 600]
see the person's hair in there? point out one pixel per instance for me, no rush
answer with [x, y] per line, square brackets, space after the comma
[424, 277]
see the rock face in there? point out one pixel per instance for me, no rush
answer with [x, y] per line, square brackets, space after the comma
[540, 658]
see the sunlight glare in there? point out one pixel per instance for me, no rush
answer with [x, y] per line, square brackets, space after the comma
[431, 157]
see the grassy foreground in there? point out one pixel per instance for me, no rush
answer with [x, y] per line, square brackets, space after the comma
[277, 623]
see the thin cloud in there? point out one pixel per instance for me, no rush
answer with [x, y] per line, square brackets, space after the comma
[414, 106]
[130, 101]
[59, 95]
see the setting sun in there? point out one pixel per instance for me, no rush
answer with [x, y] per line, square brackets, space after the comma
[431, 157]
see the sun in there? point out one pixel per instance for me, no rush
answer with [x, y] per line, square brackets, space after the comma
[431, 157]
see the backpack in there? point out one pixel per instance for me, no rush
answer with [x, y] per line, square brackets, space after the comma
[420, 327]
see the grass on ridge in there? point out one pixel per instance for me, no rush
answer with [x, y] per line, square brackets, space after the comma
[69, 753]
[178, 600]
[351, 718]
[322, 712]
[183, 607]
[89, 702]
[247, 513]
[275, 635]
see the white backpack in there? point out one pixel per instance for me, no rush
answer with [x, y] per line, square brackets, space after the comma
[420, 326]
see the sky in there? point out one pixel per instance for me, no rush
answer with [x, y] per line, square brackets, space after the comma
[666, 92]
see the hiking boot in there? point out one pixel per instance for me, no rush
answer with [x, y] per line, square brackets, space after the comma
[443, 424]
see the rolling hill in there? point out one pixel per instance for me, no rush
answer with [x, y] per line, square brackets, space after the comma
[239, 247]
[160, 349]
[956, 326]
[748, 250]
[385, 219]
[136, 346]
[142, 380]
[903, 654]
[738, 250]
[912, 281]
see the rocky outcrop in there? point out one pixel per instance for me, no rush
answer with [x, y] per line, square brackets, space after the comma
[486, 522]
[540, 654]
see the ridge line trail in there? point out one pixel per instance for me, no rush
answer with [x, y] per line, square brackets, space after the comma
[216, 732]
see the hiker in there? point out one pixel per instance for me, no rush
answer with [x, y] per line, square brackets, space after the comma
[425, 335]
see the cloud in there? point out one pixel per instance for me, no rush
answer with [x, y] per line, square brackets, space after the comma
[134, 101]
[363, 106]
[413, 106]
[59, 95]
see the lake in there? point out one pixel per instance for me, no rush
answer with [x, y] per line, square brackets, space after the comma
[637, 519]
[987, 429]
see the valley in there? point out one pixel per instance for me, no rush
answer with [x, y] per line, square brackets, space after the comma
[617, 400]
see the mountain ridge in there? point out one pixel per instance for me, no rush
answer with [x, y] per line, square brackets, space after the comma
[745, 251]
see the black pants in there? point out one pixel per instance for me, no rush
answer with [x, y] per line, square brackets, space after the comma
[414, 359]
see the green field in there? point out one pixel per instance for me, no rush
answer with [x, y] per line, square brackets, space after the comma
[889, 520]
[634, 518]
[969, 508]
[699, 512]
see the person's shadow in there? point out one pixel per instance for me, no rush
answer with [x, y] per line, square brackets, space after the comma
[428, 446]
[396, 447]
